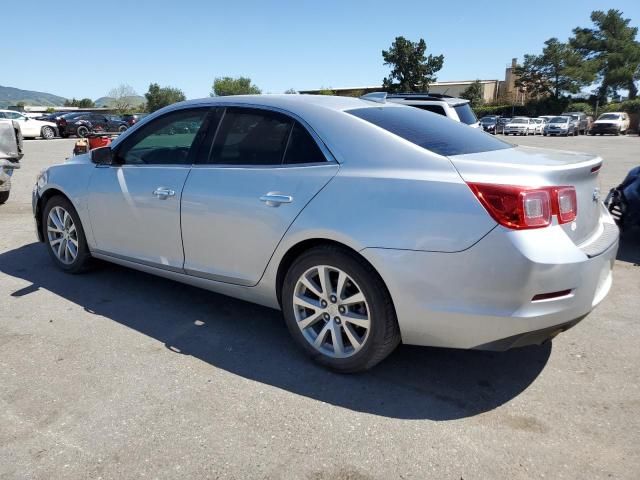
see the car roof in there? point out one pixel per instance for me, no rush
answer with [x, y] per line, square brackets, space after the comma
[298, 104]
[427, 98]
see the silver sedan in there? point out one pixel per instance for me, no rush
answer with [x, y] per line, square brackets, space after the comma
[367, 223]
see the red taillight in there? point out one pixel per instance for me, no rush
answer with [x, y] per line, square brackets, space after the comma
[62, 121]
[525, 207]
[567, 204]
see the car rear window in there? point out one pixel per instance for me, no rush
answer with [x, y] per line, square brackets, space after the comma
[430, 131]
[465, 114]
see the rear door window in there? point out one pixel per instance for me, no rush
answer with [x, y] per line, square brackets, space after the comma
[302, 148]
[251, 137]
[432, 108]
[432, 132]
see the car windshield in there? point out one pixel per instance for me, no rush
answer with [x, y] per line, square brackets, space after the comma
[488, 120]
[519, 120]
[430, 130]
[465, 114]
[609, 116]
[559, 120]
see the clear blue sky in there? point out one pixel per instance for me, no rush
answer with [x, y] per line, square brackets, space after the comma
[279, 44]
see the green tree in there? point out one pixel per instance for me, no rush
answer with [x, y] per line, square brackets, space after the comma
[223, 86]
[83, 103]
[291, 91]
[326, 91]
[411, 70]
[474, 93]
[159, 97]
[557, 70]
[611, 51]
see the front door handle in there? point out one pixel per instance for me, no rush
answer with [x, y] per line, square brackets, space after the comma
[163, 193]
[273, 199]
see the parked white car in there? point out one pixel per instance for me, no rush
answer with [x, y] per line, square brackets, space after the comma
[613, 122]
[458, 109]
[539, 124]
[520, 126]
[30, 127]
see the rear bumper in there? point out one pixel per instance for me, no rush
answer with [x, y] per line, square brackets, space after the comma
[483, 297]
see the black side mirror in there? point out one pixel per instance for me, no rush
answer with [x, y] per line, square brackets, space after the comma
[102, 156]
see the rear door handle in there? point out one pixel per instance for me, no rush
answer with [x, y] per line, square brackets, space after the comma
[273, 199]
[163, 193]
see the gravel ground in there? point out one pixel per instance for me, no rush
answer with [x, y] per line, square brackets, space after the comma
[118, 374]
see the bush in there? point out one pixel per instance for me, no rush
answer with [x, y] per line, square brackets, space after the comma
[580, 107]
[629, 106]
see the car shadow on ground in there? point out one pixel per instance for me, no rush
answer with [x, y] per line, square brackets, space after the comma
[629, 250]
[253, 342]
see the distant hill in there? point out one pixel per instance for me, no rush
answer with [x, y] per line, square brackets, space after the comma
[11, 96]
[135, 101]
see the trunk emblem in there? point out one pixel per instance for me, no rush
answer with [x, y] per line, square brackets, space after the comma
[596, 194]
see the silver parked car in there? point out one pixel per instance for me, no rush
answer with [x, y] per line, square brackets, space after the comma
[368, 223]
[520, 126]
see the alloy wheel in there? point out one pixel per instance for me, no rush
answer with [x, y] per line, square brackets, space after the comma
[331, 311]
[62, 235]
[48, 133]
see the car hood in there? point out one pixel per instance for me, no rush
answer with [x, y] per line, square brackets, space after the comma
[606, 122]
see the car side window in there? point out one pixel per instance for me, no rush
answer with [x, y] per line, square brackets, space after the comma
[433, 108]
[302, 148]
[167, 140]
[251, 137]
[14, 116]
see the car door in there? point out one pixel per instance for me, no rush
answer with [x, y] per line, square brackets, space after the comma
[98, 122]
[134, 204]
[28, 127]
[240, 198]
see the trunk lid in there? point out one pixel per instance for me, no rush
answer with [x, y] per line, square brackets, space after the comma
[538, 167]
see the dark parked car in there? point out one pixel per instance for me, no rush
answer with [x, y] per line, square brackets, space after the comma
[133, 118]
[581, 121]
[489, 123]
[52, 117]
[502, 121]
[83, 123]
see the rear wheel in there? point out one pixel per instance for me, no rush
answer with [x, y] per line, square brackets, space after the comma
[4, 196]
[82, 131]
[48, 133]
[64, 235]
[338, 310]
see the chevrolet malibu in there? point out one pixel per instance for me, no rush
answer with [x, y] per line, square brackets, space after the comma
[367, 223]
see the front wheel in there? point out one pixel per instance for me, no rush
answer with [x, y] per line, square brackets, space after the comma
[4, 196]
[338, 310]
[82, 131]
[122, 128]
[64, 235]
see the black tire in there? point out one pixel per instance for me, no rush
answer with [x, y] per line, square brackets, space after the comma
[82, 131]
[384, 334]
[48, 133]
[83, 258]
[4, 196]
[122, 128]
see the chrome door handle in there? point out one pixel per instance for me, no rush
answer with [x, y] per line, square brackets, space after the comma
[163, 193]
[275, 199]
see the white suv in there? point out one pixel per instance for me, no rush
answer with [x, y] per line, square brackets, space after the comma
[457, 109]
[31, 128]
